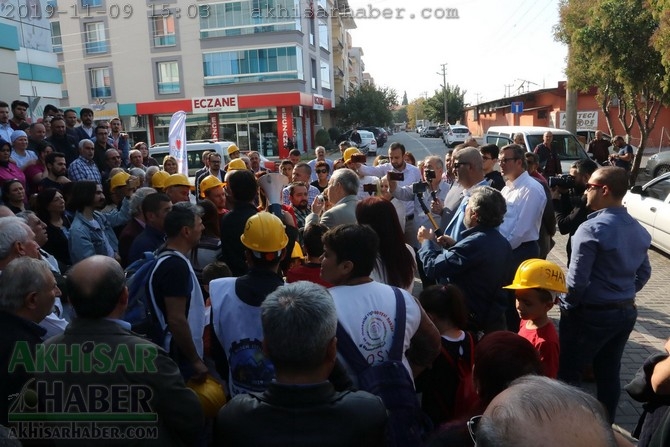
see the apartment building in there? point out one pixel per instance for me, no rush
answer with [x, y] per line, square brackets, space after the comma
[28, 68]
[249, 71]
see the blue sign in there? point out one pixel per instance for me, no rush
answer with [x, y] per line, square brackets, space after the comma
[517, 107]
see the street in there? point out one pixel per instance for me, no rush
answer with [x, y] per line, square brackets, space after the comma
[653, 324]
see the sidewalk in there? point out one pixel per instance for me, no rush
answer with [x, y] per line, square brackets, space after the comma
[649, 335]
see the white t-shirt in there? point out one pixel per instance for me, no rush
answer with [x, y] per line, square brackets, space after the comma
[367, 314]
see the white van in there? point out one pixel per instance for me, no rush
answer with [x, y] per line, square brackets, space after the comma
[194, 150]
[568, 147]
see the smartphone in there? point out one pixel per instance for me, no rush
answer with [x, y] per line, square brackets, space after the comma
[359, 158]
[396, 176]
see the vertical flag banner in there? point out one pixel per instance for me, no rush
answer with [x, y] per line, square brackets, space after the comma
[177, 140]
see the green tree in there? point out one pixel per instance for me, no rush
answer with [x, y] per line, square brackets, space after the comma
[611, 47]
[455, 104]
[368, 105]
[400, 115]
[404, 99]
[415, 111]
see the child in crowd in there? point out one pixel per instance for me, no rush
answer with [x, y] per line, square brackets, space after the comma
[447, 388]
[537, 284]
[310, 270]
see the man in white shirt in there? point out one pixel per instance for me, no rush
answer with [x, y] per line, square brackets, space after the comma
[525, 199]
[411, 175]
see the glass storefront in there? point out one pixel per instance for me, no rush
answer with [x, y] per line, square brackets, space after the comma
[250, 129]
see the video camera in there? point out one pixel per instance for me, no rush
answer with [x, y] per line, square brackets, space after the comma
[565, 181]
[429, 174]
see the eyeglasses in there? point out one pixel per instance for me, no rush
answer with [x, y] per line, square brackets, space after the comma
[459, 164]
[321, 171]
[502, 161]
[590, 186]
[473, 424]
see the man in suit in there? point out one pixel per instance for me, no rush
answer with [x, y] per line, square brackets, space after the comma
[153, 384]
[342, 190]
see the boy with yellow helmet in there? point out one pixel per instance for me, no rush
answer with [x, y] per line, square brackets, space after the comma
[537, 284]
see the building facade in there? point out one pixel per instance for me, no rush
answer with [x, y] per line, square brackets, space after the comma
[28, 68]
[256, 72]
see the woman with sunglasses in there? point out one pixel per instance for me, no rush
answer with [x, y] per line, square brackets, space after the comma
[50, 208]
[322, 174]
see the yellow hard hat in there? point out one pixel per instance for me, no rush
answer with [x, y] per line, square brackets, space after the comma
[539, 274]
[349, 152]
[176, 180]
[119, 179]
[264, 232]
[236, 165]
[211, 396]
[208, 183]
[297, 251]
[232, 149]
[159, 178]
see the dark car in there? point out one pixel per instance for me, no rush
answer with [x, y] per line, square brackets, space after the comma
[380, 135]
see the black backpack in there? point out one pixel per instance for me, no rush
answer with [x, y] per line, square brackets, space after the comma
[407, 425]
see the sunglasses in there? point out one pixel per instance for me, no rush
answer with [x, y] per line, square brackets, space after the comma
[505, 160]
[321, 171]
[590, 186]
[473, 424]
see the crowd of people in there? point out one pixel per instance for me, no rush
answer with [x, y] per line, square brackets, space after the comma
[291, 295]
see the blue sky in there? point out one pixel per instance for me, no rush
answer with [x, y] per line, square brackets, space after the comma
[491, 44]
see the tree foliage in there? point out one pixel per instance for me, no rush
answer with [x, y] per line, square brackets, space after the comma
[404, 99]
[611, 47]
[455, 104]
[415, 111]
[368, 105]
[400, 115]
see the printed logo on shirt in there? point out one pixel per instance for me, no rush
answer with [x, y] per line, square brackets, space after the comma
[250, 369]
[375, 329]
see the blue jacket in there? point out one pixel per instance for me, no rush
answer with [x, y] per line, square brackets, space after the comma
[478, 264]
[86, 240]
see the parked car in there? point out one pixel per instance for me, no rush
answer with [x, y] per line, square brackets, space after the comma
[650, 205]
[368, 143]
[419, 129]
[568, 147]
[430, 132]
[194, 150]
[456, 134]
[658, 164]
[379, 133]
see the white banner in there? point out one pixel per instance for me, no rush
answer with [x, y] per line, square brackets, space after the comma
[177, 139]
[585, 120]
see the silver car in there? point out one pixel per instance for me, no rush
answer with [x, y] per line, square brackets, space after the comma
[658, 164]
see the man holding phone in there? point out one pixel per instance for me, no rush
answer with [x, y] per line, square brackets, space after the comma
[368, 184]
[410, 173]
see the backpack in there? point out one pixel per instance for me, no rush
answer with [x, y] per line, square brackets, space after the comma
[140, 312]
[390, 380]
[466, 396]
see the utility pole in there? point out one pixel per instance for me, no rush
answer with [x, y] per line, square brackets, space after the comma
[444, 93]
[478, 95]
[508, 87]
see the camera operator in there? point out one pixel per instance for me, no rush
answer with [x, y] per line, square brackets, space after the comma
[567, 193]
[424, 195]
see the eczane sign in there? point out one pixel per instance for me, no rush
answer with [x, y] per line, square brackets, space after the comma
[209, 104]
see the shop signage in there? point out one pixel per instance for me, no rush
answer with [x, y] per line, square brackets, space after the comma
[209, 104]
[285, 126]
[317, 102]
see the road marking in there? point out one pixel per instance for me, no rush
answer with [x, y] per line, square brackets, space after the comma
[419, 141]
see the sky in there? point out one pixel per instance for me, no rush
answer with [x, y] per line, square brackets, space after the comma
[492, 43]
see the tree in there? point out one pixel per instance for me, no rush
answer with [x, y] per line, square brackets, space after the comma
[415, 111]
[367, 106]
[400, 115]
[404, 99]
[610, 47]
[455, 104]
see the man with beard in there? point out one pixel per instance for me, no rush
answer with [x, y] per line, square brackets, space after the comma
[86, 130]
[62, 141]
[56, 172]
[298, 197]
[19, 114]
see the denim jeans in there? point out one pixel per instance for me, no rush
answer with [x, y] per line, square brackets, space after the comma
[597, 336]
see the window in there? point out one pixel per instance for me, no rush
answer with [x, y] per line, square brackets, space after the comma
[164, 31]
[325, 74]
[324, 35]
[249, 17]
[56, 40]
[253, 65]
[168, 77]
[96, 41]
[313, 74]
[101, 84]
[91, 3]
